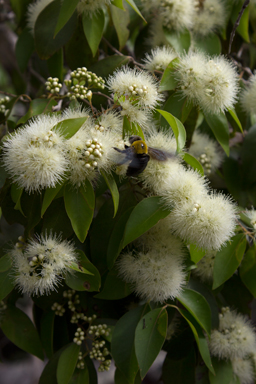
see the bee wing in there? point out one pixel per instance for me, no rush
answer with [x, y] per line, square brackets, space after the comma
[125, 155]
[158, 154]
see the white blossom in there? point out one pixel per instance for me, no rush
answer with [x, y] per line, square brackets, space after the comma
[159, 58]
[244, 369]
[42, 263]
[210, 17]
[204, 270]
[89, 7]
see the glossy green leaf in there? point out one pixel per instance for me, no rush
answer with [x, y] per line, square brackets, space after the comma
[37, 107]
[193, 162]
[232, 112]
[114, 288]
[121, 19]
[24, 49]
[18, 327]
[5, 263]
[48, 375]
[210, 44]
[247, 269]
[173, 105]
[67, 363]
[196, 254]
[243, 26]
[110, 181]
[228, 259]
[93, 27]
[120, 378]
[124, 353]
[196, 304]
[49, 196]
[67, 9]
[199, 337]
[143, 217]
[150, 335]
[180, 42]
[81, 281]
[168, 82]
[81, 376]
[130, 129]
[135, 8]
[6, 283]
[79, 206]
[118, 3]
[115, 244]
[219, 126]
[69, 127]
[46, 332]
[223, 372]
[79, 268]
[177, 127]
[46, 44]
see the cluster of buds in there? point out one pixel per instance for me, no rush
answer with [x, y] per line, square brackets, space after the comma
[134, 90]
[196, 207]
[80, 363]
[53, 85]
[206, 163]
[99, 330]
[58, 309]
[91, 153]
[77, 317]
[79, 336]
[99, 352]
[80, 83]
[3, 102]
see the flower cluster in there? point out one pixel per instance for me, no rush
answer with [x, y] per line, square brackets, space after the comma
[252, 216]
[42, 263]
[235, 340]
[3, 102]
[210, 17]
[159, 58]
[137, 93]
[211, 83]
[53, 85]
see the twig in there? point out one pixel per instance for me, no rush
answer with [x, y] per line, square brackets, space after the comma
[111, 46]
[232, 35]
[23, 97]
[103, 94]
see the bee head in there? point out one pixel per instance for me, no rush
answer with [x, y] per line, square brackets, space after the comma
[140, 147]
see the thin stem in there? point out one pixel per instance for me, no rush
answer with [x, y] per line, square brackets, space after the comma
[22, 97]
[232, 35]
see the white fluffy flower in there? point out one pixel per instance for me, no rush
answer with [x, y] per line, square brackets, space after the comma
[137, 86]
[235, 337]
[42, 263]
[248, 96]
[252, 216]
[204, 270]
[206, 151]
[159, 58]
[210, 83]
[244, 369]
[177, 15]
[208, 222]
[34, 9]
[156, 275]
[210, 17]
[91, 6]
[34, 155]
[109, 121]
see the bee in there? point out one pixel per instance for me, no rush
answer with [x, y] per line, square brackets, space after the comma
[138, 155]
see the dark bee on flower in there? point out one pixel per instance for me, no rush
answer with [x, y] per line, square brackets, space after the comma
[138, 155]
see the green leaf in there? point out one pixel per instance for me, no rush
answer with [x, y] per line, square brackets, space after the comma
[69, 127]
[247, 269]
[79, 206]
[177, 127]
[180, 42]
[243, 26]
[81, 281]
[124, 353]
[110, 181]
[135, 8]
[118, 3]
[191, 160]
[130, 129]
[48, 375]
[223, 372]
[6, 283]
[79, 268]
[196, 254]
[150, 335]
[37, 107]
[55, 65]
[199, 337]
[115, 244]
[143, 217]
[16, 193]
[46, 44]
[49, 195]
[228, 259]
[197, 305]
[81, 377]
[168, 82]
[93, 29]
[114, 287]
[5, 263]
[121, 19]
[232, 112]
[66, 11]
[24, 49]
[173, 105]
[211, 44]
[67, 363]
[219, 126]
[21, 331]
[46, 332]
